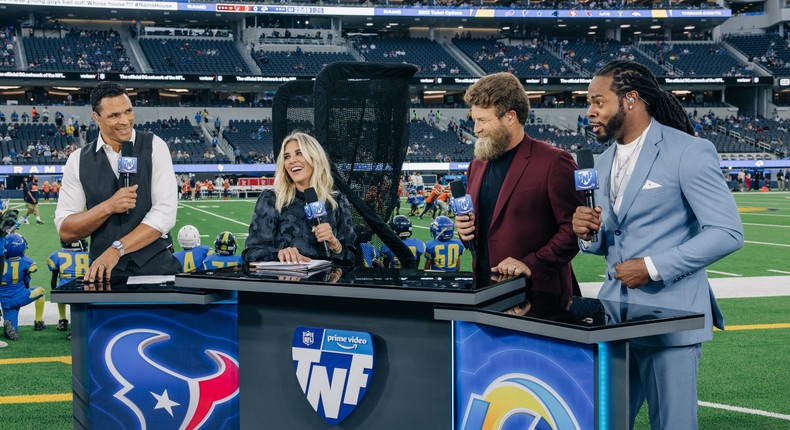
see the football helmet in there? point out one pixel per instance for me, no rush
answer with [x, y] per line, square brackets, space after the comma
[78, 246]
[15, 245]
[401, 225]
[188, 237]
[225, 244]
[442, 228]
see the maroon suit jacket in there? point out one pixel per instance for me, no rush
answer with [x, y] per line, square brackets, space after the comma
[532, 218]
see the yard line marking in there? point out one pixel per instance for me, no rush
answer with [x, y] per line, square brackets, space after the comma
[756, 327]
[766, 225]
[602, 276]
[745, 410]
[767, 243]
[213, 214]
[764, 214]
[779, 271]
[723, 273]
[37, 398]
[66, 359]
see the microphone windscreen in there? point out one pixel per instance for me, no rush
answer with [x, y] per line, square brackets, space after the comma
[585, 159]
[127, 149]
[457, 188]
[310, 196]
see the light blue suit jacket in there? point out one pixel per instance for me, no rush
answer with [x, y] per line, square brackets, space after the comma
[677, 210]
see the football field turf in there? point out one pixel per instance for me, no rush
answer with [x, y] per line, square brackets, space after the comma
[743, 374]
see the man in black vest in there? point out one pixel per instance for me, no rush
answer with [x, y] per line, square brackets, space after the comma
[128, 225]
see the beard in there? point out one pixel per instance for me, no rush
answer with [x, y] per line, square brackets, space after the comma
[612, 127]
[493, 144]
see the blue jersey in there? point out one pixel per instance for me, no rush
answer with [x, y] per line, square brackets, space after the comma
[216, 261]
[16, 273]
[415, 245]
[192, 259]
[69, 264]
[444, 254]
[369, 253]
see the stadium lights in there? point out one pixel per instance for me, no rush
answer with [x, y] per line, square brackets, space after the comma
[10, 88]
[593, 27]
[435, 92]
[66, 88]
[508, 28]
[369, 24]
[689, 27]
[681, 92]
[591, 32]
[655, 27]
[580, 92]
[177, 90]
[562, 25]
[625, 25]
[394, 24]
[637, 32]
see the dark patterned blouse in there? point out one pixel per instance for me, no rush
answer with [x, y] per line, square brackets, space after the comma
[271, 231]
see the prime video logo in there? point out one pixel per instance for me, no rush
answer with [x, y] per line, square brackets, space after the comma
[334, 369]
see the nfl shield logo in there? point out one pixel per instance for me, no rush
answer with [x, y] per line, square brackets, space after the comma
[335, 372]
[308, 338]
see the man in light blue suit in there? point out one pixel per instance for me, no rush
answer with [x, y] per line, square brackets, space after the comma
[665, 214]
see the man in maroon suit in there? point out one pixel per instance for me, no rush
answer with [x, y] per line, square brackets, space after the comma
[524, 198]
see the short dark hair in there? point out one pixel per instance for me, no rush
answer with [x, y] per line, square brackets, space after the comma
[503, 91]
[662, 105]
[103, 90]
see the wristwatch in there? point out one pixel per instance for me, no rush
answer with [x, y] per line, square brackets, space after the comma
[119, 246]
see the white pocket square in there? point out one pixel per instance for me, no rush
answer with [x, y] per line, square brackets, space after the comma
[649, 185]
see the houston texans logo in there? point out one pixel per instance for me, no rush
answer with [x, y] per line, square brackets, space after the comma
[159, 395]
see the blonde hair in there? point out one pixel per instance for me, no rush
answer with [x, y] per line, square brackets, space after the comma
[321, 180]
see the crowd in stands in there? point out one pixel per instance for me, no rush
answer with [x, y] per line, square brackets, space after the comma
[7, 55]
[79, 50]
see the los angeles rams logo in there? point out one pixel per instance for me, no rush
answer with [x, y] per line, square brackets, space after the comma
[518, 401]
[333, 372]
[161, 397]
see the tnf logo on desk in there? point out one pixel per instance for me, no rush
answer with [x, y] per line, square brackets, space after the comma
[333, 368]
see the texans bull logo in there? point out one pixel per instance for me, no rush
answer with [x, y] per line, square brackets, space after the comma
[160, 397]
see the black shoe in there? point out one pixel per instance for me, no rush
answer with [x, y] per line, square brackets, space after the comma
[38, 325]
[38, 221]
[10, 331]
[63, 324]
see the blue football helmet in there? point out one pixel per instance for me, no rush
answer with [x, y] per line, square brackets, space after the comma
[15, 245]
[78, 246]
[442, 228]
[401, 225]
[225, 244]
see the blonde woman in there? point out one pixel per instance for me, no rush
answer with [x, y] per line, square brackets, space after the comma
[279, 230]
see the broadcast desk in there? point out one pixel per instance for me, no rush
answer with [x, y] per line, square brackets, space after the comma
[372, 348]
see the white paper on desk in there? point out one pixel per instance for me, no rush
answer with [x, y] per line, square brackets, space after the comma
[151, 280]
[310, 266]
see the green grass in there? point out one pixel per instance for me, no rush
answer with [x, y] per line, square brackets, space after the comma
[738, 368]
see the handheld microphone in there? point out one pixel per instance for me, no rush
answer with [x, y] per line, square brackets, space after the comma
[586, 179]
[315, 212]
[461, 204]
[127, 164]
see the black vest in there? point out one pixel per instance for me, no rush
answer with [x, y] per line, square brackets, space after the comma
[99, 183]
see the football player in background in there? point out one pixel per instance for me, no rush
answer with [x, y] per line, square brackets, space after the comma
[15, 290]
[224, 253]
[401, 225]
[415, 199]
[193, 253]
[70, 262]
[371, 256]
[443, 252]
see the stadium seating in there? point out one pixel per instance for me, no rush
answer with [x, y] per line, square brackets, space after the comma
[428, 55]
[181, 136]
[522, 60]
[78, 50]
[430, 144]
[296, 63]
[592, 55]
[698, 58]
[252, 138]
[166, 55]
[770, 50]
[27, 134]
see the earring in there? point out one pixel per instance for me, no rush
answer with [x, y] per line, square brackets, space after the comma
[631, 107]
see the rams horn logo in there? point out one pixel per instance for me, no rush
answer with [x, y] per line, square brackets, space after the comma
[160, 397]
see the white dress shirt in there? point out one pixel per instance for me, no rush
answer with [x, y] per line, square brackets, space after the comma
[623, 162]
[164, 196]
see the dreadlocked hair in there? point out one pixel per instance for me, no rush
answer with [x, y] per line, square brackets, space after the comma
[662, 105]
